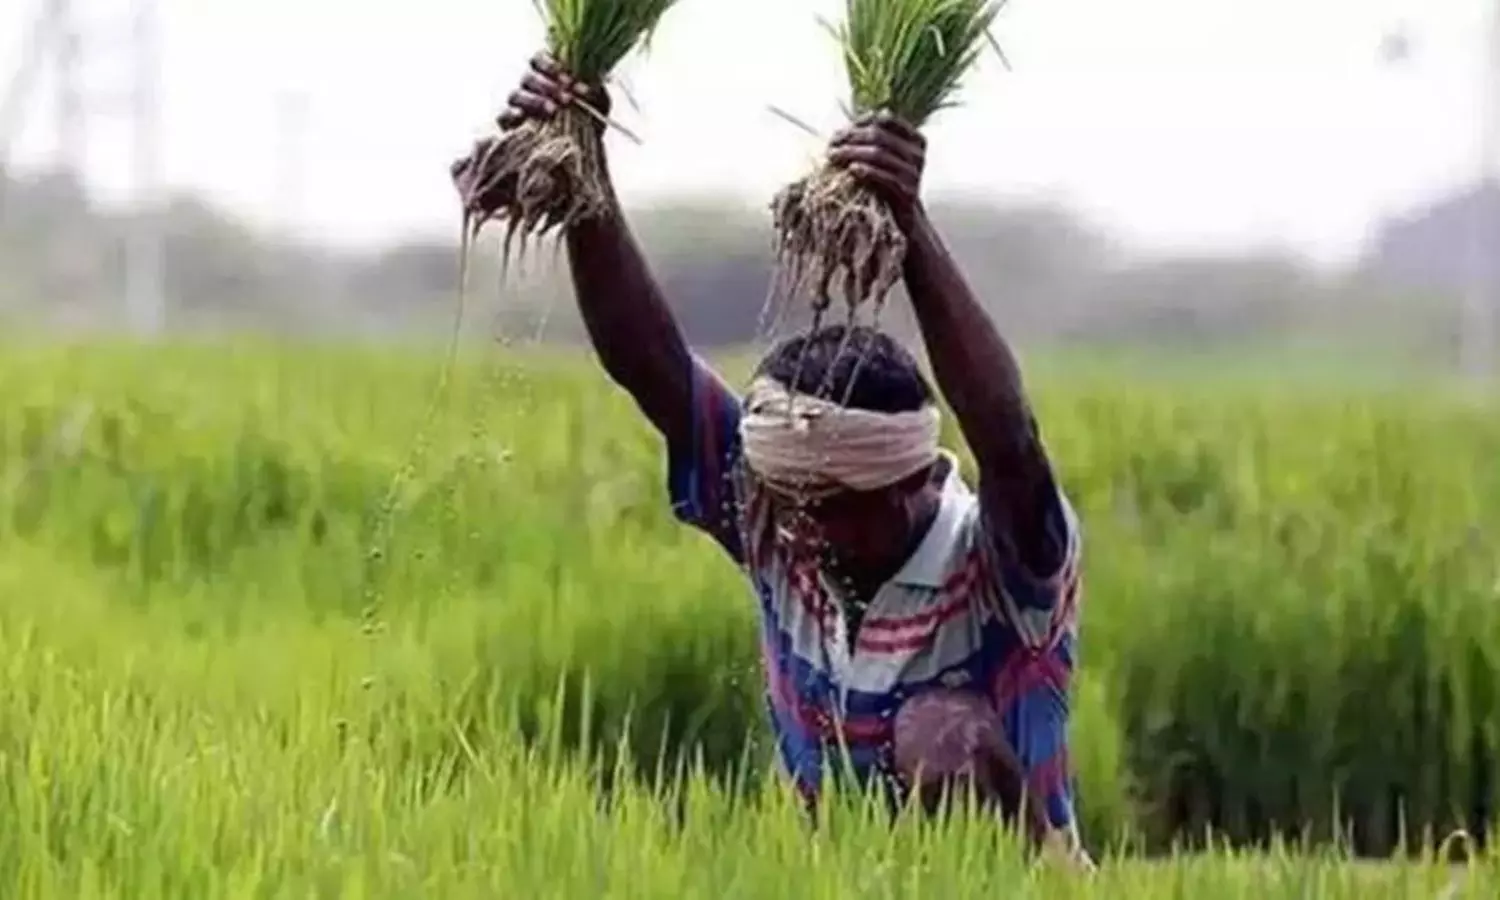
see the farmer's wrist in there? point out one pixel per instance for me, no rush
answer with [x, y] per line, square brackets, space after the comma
[598, 114]
[922, 240]
[606, 177]
[911, 218]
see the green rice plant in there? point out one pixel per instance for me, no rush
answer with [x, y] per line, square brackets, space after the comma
[1289, 627]
[545, 176]
[591, 37]
[903, 58]
[910, 58]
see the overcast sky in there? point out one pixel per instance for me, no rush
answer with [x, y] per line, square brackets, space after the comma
[1180, 123]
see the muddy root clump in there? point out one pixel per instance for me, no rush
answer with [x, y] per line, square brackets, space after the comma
[537, 180]
[834, 239]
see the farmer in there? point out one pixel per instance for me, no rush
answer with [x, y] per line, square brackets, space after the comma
[916, 630]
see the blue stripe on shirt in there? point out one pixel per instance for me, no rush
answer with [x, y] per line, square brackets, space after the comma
[700, 476]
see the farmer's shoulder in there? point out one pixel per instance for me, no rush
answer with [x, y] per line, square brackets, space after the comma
[982, 567]
[983, 540]
[1060, 510]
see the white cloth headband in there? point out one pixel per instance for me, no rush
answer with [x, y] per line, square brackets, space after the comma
[803, 445]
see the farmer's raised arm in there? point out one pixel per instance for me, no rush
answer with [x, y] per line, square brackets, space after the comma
[627, 318]
[973, 366]
[629, 323]
[981, 380]
[642, 349]
[622, 306]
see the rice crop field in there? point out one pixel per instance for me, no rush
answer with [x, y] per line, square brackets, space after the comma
[294, 622]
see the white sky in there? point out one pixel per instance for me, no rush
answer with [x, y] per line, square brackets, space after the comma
[1180, 123]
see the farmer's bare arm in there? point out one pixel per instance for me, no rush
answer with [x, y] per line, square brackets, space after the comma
[973, 365]
[630, 324]
[981, 380]
[622, 306]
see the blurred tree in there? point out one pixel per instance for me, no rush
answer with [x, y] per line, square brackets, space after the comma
[1048, 276]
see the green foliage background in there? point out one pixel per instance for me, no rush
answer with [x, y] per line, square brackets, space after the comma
[213, 625]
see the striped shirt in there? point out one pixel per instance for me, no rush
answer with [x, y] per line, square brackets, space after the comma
[958, 614]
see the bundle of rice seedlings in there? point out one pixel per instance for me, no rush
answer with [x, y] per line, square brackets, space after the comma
[905, 58]
[546, 175]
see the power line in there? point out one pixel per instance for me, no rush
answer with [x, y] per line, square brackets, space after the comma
[1478, 338]
[144, 296]
[57, 46]
[22, 82]
[72, 132]
[292, 110]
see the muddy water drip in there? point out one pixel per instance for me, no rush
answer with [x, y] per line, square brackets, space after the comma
[834, 239]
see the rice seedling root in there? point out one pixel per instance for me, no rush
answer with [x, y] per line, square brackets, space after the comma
[835, 238]
[540, 178]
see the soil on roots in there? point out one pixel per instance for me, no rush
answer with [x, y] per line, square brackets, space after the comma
[538, 179]
[834, 237]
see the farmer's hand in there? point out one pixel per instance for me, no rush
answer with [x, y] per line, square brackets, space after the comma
[886, 154]
[544, 90]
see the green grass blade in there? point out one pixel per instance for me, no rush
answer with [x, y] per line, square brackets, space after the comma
[909, 56]
[592, 37]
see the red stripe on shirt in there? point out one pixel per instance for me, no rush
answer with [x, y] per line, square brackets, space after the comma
[926, 626]
[1024, 672]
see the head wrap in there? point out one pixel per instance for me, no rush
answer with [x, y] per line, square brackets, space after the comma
[806, 446]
